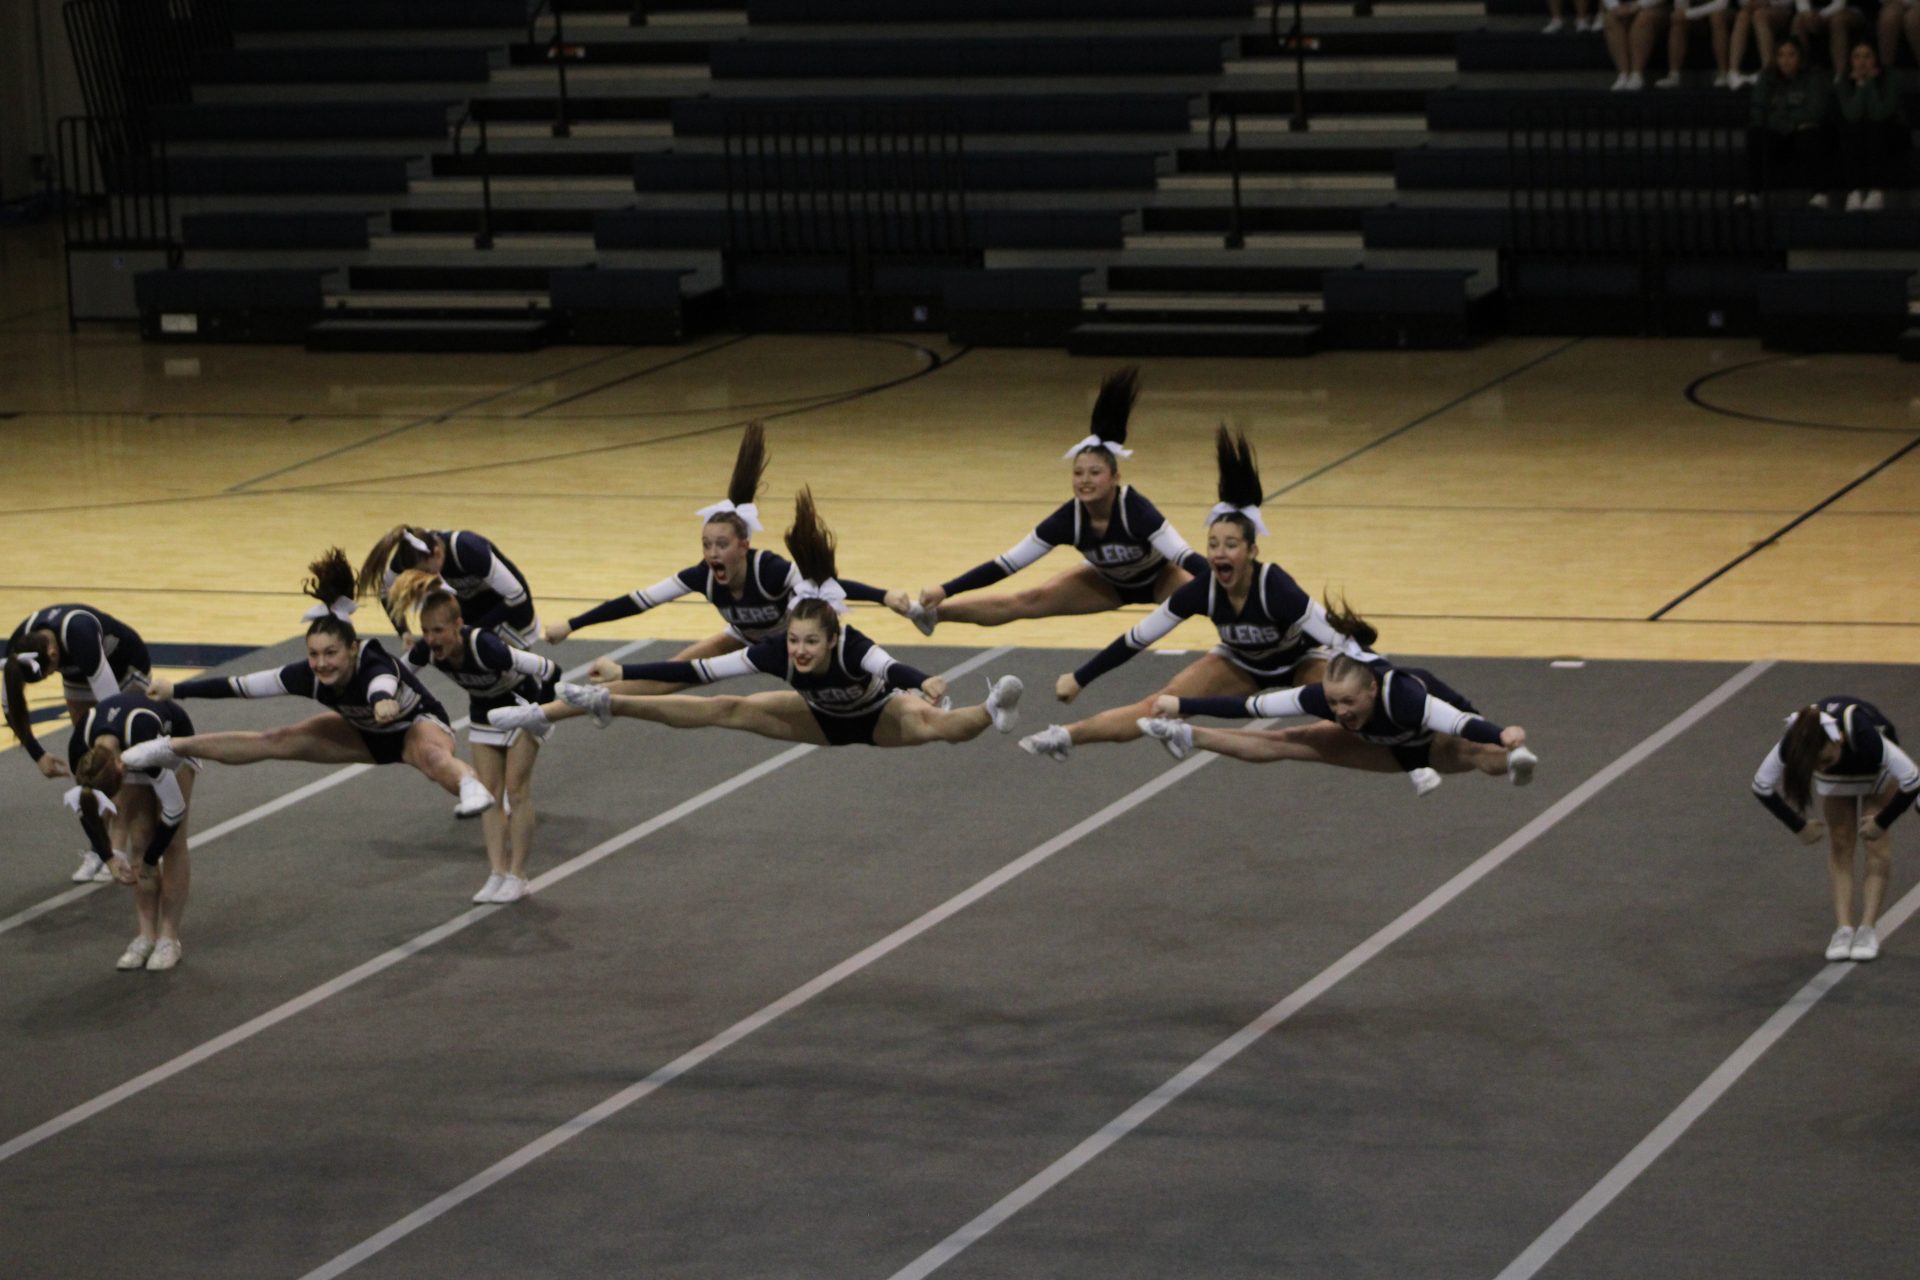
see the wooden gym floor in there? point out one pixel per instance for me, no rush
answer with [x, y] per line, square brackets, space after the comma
[1533, 497]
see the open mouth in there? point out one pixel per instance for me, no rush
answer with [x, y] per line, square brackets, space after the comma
[1222, 570]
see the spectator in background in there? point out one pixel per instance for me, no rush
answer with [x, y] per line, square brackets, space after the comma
[1897, 16]
[1788, 141]
[1765, 21]
[1874, 133]
[1719, 26]
[1839, 22]
[1632, 28]
[1584, 19]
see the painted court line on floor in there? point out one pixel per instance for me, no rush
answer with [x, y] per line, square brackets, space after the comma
[753, 1022]
[1711, 1090]
[1224, 1052]
[387, 960]
[345, 774]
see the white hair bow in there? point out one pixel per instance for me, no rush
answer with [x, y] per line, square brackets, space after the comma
[342, 608]
[831, 591]
[30, 661]
[1228, 509]
[747, 511]
[1827, 722]
[414, 540]
[74, 795]
[1095, 442]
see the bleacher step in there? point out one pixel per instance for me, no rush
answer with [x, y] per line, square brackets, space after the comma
[1910, 344]
[356, 334]
[1189, 339]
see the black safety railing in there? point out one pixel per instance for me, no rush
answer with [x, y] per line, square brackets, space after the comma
[134, 55]
[559, 53]
[863, 184]
[1297, 40]
[115, 192]
[475, 114]
[1236, 231]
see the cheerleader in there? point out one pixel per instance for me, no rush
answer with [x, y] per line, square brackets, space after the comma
[97, 656]
[493, 593]
[376, 711]
[123, 808]
[751, 589]
[1268, 626]
[1847, 753]
[1381, 718]
[494, 674]
[843, 690]
[1133, 554]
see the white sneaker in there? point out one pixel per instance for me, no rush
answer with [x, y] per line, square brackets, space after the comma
[1594, 23]
[525, 716]
[1873, 201]
[1619, 83]
[1636, 81]
[491, 887]
[1003, 701]
[1840, 946]
[1175, 735]
[1053, 741]
[1671, 80]
[512, 889]
[166, 954]
[157, 754]
[475, 799]
[1866, 944]
[135, 956]
[1722, 79]
[1425, 781]
[1520, 764]
[1554, 27]
[91, 869]
[596, 698]
[1853, 201]
[1819, 201]
[925, 619]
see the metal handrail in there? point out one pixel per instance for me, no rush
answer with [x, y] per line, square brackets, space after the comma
[558, 52]
[1236, 234]
[1298, 40]
[483, 238]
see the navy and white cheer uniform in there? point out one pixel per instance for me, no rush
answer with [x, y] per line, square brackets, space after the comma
[1870, 758]
[753, 610]
[494, 674]
[846, 696]
[1270, 635]
[1411, 706]
[493, 593]
[134, 718]
[376, 678]
[99, 654]
[1128, 554]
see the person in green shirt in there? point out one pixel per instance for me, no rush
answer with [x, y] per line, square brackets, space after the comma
[1788, 141]
[1874, 134]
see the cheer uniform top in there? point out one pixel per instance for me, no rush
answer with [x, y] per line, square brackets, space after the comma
[494, 674]
[1129, 554]
[846, 696]
[1411, 707]
[493, 593]
[753, 610]
[1266, 637]
[376, 677]
[134, 718]
[1870, 755]
[99, 654]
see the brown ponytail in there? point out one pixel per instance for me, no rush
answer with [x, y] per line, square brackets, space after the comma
[417, 591]
[393, 548]
[1801, 750]
[1343, 619]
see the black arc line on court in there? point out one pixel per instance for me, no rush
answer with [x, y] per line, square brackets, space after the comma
[436, 416]
[1773, 538]
[1698, 401]
[936, 363]
[1429, 416]
[637, 374]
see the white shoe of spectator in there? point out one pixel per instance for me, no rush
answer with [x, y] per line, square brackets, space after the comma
[1866, 944]
[1840, 946]
[1722, 79]
[1671, 80]
[1853, 200]
[1595, 23]
[1819, 201]
[1873, 201]
[1554, 27]
[491, 887]
[1619, 82]
[1635, 81]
